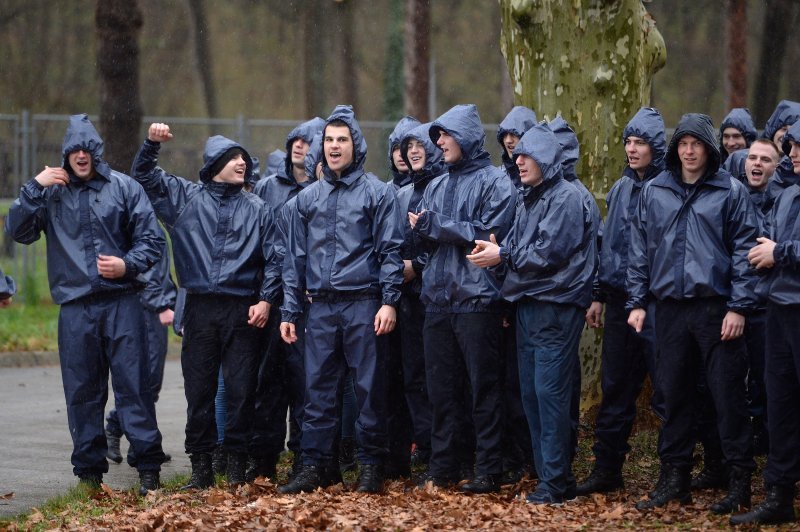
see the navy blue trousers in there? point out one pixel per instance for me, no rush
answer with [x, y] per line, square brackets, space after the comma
[411, 321]
[340, 335]
[463, 350]
[783, 394]
[98, 333]
[216, 334]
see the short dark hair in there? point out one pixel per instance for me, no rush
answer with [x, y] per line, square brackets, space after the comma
[337, 122]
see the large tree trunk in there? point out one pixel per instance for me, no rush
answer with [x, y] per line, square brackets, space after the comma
[203, 56]
[416, 58]
[313, 66]
[779, 16]
[349, 60]
[118, 23]
[592, 61]
[736, 36]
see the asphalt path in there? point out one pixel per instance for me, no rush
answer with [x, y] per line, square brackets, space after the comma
[35, 445]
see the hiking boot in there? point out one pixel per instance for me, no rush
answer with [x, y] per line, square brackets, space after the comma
[777, 508]
[90, 480]
[261, 467]
[438, 481]
[347, 455]
[297, 465]
[600, 481]
[738, 497]
[674, 488]
[541, 496]
[307, 480]
[219, 460]
[712, 476]
[512, 476]
[482, 484]
[202, 472]
[148, 481]
[371, 479]
[113, 452]
[237, 466]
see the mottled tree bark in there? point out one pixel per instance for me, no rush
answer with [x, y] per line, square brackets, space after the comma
[779, 18]
[736, 34]
[203, 56]
[118, 23]
[592, 62]
[416, 59]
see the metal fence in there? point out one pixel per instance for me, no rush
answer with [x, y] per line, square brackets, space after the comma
[29, 141]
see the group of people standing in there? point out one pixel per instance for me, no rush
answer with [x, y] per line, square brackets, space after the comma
[448, 302]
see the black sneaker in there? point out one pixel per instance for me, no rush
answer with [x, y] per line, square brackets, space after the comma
[148, 481]
[482, 484]
[371, 479]
[600, 481]
[307, 480]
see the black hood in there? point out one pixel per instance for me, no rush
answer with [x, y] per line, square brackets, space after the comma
[701, 127]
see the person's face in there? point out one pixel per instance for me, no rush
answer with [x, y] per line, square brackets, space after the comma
[732, 140]
[760, 165]
[416, 154]
[510, 142]
[81, 163]
[399, 163]
[529, 172]
[693, 154]
[233, 172]
[639, 153]
[338, 148]
[451, 151]
[777, 138]
[299, 151]
[794, 155]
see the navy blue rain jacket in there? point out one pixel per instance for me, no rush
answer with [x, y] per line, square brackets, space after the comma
[7, 286]
[159, 291]
[519, 120]
[221, 235]
[787, 112]
[784, 176]
[314, 156]
[622, 201]
[689, 243]
[406, 124]
[781, 283]
[275, 161]
[734, 164]
[344, 235]
[474, 200]
[739, 118]
[107, 215]
[546, 256]
[415, 248]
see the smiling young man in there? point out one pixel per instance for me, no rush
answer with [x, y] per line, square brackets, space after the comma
[736, 132]
[101, 233]
[690, 235]
[543, 262]
[343, 252]
[222, 246]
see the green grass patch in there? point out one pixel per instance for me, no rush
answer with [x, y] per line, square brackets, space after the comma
[29, 327]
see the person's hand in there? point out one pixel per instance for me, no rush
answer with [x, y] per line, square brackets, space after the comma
[408, 272]
[636, 319]
[385, 320]
[5, 302]
[762, 255]
[110, 267]
[258, 314]
[158, 132]
[52, 176]
[288, 332]
[414, 217]
[485, 253]
[594, 315]
[166, 317]
[732, 326]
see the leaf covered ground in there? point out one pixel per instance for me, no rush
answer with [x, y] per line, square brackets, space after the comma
[401, 507]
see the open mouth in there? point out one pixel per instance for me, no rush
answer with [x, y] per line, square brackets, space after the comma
[334, 156]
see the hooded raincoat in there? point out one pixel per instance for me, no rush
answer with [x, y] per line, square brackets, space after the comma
[740, 119]
[406, 124]
[519, 120]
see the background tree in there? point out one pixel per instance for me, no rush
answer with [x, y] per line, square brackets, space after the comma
[416, 59]
[203, 55]
[780, 17]
[736, 35]
[596, 75]
[118, 23]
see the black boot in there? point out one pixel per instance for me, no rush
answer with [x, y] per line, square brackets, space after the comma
[675, 488]
[347, 455]
[712, 476]
[659, 483]
[600, 481]
[219, 460]
[90, 480]
[148, 481]
[202, 473]
[307, 480]
[482, 484]
[260, 466]
[371, 479]
[113, 453]
[237, 466]
[777, 508]
[738, 497]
